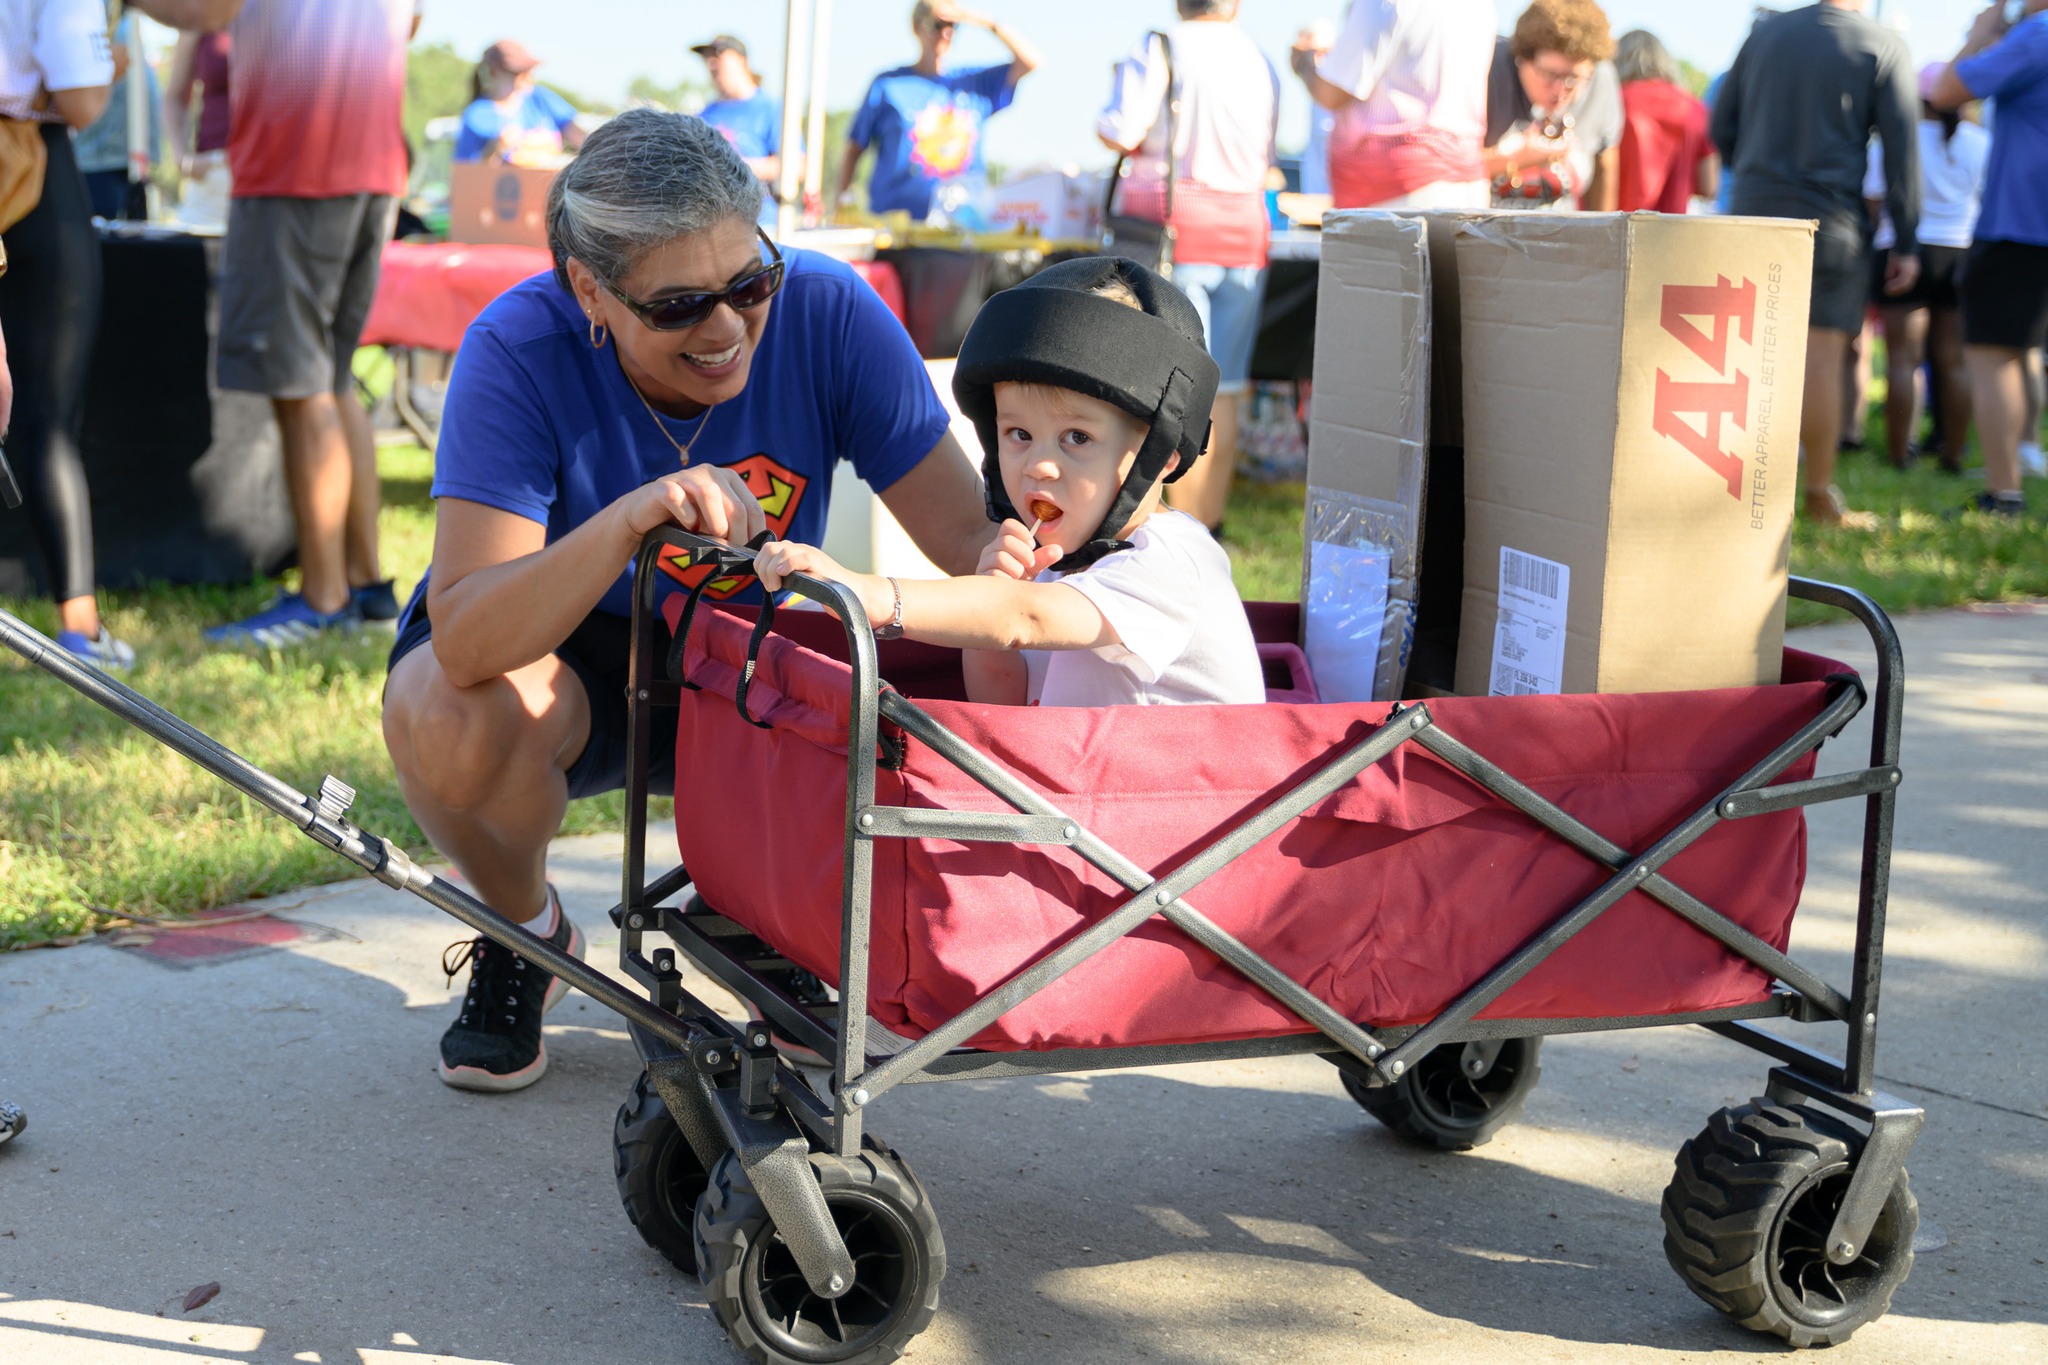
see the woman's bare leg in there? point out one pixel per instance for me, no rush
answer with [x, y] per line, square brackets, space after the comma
[1951, 385]
[483, 769]
[1905, 343]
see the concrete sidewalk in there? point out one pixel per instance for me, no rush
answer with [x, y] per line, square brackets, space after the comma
[272, 1123]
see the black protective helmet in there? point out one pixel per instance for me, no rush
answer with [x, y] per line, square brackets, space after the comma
[1150, 361]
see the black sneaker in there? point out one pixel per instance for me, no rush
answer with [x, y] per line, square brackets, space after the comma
[2009, 505]
[12, 1120]
[495, 1043]
[376, 601]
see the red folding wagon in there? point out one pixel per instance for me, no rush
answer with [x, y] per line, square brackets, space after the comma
[904, 886]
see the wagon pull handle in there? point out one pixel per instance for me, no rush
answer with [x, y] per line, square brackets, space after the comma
[762, 625]
[682, 634]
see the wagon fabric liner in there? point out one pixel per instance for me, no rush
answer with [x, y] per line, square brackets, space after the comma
[1387, 899]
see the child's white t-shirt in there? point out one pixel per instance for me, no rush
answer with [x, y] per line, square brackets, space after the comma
[1182, 632]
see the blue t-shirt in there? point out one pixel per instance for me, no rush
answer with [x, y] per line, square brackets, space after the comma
[926, 131]
[752, 125]
[754, 128]
[2015, 74]
[540, 424]
[535, 126]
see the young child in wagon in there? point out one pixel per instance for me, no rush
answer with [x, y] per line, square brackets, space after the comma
[1090, 389]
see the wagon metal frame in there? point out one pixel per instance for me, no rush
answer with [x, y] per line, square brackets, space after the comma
[731, 1092]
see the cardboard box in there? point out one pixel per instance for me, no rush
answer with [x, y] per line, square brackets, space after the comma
[493, 202]
[1058, 203]
[1631, 435]
[1381, 563]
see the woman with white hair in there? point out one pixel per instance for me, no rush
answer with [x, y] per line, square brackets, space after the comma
[673, 368]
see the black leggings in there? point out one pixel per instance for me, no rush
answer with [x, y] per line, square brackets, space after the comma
[50, 308]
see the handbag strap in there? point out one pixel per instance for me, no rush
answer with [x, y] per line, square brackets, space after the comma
[1116, 174]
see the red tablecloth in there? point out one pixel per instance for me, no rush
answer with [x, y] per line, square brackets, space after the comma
[428, 294]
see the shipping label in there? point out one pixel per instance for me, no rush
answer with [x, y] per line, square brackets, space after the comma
[1528, 639]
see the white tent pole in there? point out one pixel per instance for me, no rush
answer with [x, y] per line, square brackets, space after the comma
[788, 184]
[139, 150]
[814, 136]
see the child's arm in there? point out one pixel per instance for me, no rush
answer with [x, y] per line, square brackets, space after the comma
[987, 611]
[1001, 677]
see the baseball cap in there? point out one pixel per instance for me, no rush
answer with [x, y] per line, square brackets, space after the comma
[509, 54]
[724, 42]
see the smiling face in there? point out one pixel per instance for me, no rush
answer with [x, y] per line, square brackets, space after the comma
[1063, 457]
[698, 366]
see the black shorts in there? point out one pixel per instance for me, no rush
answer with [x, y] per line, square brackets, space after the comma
[2004, 292]
[1841, 280]
[598, 652]
[1940, 269]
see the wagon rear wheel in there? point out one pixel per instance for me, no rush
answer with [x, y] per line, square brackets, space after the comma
[660, 1177]
[760, 1297]
[1747, 1215]
[1459, 1095]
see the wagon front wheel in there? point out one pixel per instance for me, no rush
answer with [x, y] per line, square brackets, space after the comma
[760, 1297]
[660, 1177]
[1746, 1221]
[1459, 1095]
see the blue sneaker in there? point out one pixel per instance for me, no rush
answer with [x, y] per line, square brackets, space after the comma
[104, 653]
[377, 601]
[286, 621]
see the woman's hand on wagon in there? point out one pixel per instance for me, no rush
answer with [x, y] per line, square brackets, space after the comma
[708, 499]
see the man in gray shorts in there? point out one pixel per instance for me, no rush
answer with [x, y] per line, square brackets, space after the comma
[318, 162]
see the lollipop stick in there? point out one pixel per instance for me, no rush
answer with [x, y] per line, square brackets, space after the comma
[1033, 532]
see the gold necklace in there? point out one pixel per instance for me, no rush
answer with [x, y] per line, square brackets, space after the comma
[682, 450]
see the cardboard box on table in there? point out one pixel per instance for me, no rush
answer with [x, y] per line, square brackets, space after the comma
[1385, 514]
[1631, 436]
[490, 201]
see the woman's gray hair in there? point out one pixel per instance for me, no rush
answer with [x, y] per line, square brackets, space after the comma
[1638, 56]
[645, 178]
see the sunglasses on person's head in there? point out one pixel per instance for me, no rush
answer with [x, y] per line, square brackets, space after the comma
[679, 312]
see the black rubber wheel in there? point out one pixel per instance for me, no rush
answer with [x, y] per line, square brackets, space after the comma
[759, 1296]
[1746, 1219]
[660, 1178]
[1459, 1095]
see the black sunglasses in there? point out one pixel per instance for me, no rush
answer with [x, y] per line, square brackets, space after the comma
[679, 312]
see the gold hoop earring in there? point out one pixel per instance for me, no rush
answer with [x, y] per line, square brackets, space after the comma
[598, 332]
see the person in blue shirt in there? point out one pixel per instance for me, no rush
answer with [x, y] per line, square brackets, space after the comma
[2004, 284]
[749, 116]
[673, 368]
[925, 123]
[511, 118]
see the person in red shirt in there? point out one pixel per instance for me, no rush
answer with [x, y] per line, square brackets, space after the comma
[318, 162]
[1666, 155]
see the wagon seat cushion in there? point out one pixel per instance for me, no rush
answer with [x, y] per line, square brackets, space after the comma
[1387, 899]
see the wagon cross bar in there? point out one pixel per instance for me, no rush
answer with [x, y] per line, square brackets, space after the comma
[1155, 896]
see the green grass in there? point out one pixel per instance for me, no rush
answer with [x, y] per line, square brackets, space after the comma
[96, 818]
[1919, 558]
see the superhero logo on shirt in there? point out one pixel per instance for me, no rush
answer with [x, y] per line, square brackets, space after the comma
[780, 490]
[942, 140]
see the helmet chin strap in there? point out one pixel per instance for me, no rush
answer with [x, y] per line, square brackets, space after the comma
[1169, 421]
